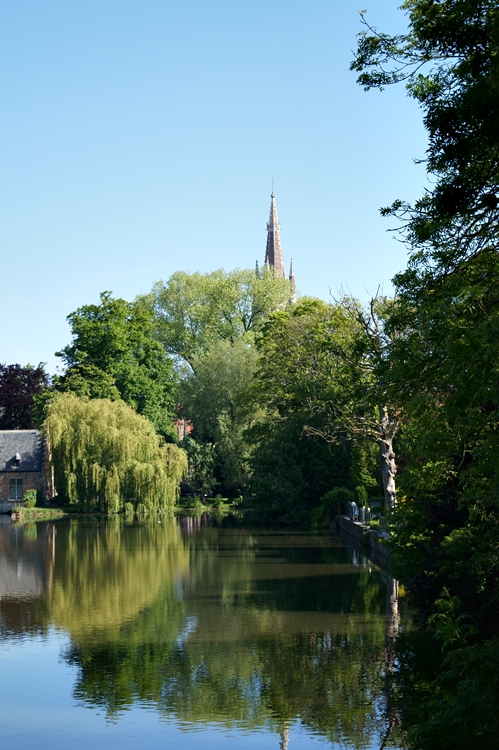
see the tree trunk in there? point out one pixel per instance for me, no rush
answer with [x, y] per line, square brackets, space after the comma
[386, 431]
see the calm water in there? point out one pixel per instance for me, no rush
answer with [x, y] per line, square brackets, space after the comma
[183, 634]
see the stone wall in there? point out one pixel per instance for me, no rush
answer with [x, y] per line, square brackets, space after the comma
[369, 538]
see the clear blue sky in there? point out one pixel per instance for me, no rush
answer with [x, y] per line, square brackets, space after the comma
[139, 137]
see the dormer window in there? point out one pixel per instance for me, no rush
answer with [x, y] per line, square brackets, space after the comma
[17, 459]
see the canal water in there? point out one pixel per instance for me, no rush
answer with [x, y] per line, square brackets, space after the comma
[192, 633]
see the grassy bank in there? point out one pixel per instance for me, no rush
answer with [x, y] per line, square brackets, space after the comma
[36, 514]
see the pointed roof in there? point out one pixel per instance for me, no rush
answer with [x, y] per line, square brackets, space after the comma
[273, 253]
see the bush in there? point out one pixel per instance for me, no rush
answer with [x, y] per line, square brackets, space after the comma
[362, 496]
[218, 501]
[30, 498]
[333, 504]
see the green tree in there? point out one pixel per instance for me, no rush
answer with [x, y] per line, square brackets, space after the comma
[315, 378]
[201, 462]
[105, 454]
[445, 365]
[320, 367]
[214, 397]
[449, 62]
[114, 355]
[195, 311]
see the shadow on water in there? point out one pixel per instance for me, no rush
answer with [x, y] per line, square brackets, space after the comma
[213, 624]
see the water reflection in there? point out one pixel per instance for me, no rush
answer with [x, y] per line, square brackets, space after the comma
[212, 625]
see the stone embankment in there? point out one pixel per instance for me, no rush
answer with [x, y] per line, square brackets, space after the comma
[368, 537]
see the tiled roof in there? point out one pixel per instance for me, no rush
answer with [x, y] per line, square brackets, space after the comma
[27, 443]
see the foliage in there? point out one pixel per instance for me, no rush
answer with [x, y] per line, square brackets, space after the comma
[361, 496]
[114, 355]
[214, 397]
[445, 360]
[329, 393]
[201, 460]
[19, 388]
[333, 504]
[196, 311]
[291, 471]
[105, 454]
[30, 498]
[449, 62]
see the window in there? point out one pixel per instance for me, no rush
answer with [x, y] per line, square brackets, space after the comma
[16, 489]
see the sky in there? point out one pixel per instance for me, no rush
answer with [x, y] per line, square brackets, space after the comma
[141, 137]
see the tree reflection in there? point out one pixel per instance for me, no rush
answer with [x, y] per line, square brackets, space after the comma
[233, 629]
[215, 625]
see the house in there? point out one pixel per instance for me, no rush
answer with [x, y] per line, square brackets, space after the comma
[22, 464]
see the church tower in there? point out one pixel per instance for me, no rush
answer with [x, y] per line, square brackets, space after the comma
[273, 254]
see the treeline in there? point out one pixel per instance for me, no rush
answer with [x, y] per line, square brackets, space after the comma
[276, 399]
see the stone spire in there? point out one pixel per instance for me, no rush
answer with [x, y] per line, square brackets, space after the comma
[292, 276]
[273, 254]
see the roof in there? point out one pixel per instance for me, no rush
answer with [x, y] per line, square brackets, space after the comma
[27, 443]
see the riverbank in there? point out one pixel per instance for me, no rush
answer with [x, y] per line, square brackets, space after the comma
[22, 514]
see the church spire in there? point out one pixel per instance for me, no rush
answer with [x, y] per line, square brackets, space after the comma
[273, 254]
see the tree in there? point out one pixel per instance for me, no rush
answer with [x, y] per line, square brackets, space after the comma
[201, 461]
[208, 322]
[449, 62]
[19, 389]
[316, 377]
[195, 311]
[114, 355]
[105, 454]
[325, 362]
[215, 398]
[445, 363]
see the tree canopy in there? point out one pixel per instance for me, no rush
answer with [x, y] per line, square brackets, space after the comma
[114, 355]
[105, 455]
[313, 388]
[19, 389]
[445, 358]
[449, 62]
[195, 311]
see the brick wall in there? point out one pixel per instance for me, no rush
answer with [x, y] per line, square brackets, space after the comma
[32, 480]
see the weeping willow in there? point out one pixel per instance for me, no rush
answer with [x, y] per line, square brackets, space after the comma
[106, 455]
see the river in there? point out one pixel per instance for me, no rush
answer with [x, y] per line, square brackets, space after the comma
[192, 633]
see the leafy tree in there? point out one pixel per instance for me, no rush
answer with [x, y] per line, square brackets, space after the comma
[214, 397]
[105, 454]
[19, 389]
[114, 355]
[201, 462]
[448, 60]
[319, 369]
[445, 364]
[195, 311]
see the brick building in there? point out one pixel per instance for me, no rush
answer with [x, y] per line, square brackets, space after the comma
[22, 464]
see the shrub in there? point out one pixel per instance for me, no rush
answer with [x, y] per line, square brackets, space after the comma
[333, 504]
[30, 498]
[362, 496]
